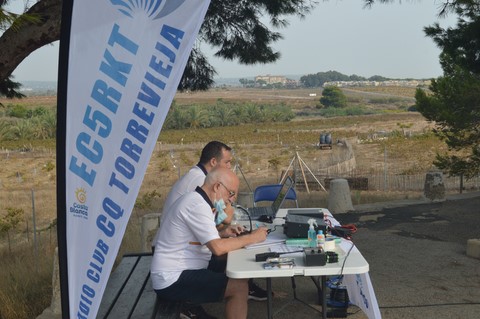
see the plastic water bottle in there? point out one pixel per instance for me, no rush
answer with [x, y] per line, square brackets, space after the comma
[312, 234]
[321, 240]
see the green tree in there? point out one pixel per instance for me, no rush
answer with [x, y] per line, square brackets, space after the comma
[317, 80]
[454, 102]
[333, 96]
[9, 88]
[246, 82]
[235, 29]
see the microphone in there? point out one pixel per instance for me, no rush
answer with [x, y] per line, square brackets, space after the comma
[248, 215]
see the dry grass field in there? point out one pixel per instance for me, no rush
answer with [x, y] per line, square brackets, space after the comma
[262, 151]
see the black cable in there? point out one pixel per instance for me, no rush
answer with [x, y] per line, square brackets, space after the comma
[248, 215]
[340, 277]
[345, 260]
[271, 229]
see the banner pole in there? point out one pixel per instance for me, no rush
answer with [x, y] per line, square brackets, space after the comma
[67, 8]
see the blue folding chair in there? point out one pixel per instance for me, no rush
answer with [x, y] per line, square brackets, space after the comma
[270, 192]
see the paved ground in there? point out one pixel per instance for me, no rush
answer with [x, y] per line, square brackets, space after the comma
[418, 266]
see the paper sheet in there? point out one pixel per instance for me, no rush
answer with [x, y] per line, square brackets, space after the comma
[272, 239]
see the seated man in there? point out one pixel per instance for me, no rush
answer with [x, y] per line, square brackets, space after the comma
[187, 239]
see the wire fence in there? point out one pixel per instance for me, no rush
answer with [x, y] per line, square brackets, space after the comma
[379, 176]
[386, 182]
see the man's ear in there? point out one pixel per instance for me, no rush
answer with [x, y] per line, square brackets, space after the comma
[213, 162]
[216, 188]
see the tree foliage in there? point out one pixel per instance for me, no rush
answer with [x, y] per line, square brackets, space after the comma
[236, 29]
[319, 79]
[9, 88]
[24, 33]
[333, 96]
[454, 101]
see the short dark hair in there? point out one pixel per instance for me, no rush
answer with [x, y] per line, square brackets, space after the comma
[213, 150]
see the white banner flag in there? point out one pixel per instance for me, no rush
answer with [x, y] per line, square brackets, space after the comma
[125, 61]
[360, 292]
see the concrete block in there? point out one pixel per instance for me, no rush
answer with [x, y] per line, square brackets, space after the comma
[434, 187]
[339, 198]
[150, 224]
[473, 248]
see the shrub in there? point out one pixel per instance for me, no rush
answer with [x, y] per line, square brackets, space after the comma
[333, 96]
[18, 111]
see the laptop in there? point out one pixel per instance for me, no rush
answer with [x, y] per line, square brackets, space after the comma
[256, 212]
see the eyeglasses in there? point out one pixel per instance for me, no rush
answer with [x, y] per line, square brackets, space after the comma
[230, 192]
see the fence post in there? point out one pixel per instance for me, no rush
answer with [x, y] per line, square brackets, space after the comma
[461, 183]
[35, 245]
[385, 168]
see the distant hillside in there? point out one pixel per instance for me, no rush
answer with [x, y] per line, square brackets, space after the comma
[32, 88]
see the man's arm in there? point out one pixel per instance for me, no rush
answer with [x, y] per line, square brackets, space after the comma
[221, 246]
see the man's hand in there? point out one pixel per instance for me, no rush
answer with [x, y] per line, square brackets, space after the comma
[232, 231]
[222, 246]
[259, 234]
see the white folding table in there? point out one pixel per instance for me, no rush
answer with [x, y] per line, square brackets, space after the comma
[241, 264]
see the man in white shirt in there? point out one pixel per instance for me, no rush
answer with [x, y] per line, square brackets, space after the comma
[187, 239]
[213, 154]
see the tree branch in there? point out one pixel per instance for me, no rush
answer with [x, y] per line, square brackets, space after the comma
[17, 45]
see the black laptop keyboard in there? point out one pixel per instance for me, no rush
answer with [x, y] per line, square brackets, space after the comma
[256, 212]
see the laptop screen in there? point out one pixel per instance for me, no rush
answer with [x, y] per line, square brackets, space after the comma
[287, 184]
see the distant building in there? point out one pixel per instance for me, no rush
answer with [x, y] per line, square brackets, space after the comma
[271, 79]
[275, 79]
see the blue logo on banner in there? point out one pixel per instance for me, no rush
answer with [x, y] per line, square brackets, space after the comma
[359, 281]
[154, 8]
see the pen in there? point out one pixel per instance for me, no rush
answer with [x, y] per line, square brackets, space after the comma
[256, 224]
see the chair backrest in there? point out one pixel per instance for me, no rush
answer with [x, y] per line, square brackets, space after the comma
[269, 193]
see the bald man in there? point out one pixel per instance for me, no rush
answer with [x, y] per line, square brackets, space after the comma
[188, 238]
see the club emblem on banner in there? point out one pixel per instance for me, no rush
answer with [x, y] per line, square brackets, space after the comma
[79, 209]
[154, 8]
[81, 195]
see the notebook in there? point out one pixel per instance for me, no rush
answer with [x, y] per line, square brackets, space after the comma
[256, 212]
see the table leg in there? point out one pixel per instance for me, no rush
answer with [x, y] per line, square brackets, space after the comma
[269, 298]
[324, 296]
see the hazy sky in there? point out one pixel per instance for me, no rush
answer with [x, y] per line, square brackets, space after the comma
[387, 40]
